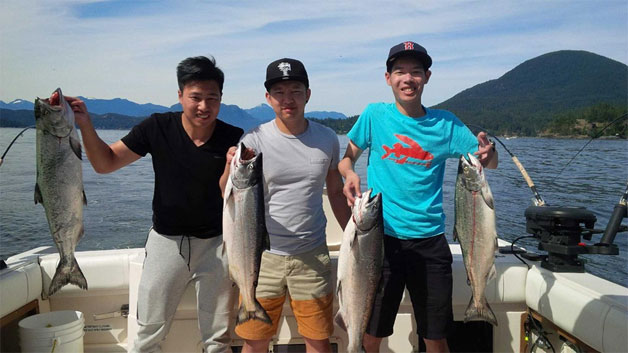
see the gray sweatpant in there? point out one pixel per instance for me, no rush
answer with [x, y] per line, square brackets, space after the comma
[171, 263]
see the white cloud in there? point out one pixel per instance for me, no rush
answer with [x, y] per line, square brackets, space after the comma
[133, 53]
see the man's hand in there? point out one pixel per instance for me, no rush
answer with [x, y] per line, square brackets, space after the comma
[80, 111]
[351, 188]
[487, 155]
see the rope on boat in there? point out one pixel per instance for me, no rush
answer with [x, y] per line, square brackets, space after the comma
[512, 249]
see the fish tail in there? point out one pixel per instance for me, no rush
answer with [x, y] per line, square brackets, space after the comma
[482, 312]
[259, 314]
[355, 344]
[68, 271]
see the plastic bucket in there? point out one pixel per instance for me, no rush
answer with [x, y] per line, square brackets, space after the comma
[56, 331]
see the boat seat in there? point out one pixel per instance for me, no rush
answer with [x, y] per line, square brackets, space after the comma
[575, 303]
[508, 286]
[333, 230]
[21, 284]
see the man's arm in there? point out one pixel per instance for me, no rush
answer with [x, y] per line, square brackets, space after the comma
[351, 187]
[487, 154]
[337, 200]
[104, 158]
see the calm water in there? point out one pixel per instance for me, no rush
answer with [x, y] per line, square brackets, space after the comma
[118, 212]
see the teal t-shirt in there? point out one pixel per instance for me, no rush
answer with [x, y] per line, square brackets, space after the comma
[406, 163]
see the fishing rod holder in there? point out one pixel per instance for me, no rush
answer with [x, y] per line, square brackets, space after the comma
[561, 230]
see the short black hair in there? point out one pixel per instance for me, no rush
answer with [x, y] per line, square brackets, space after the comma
[199, 68]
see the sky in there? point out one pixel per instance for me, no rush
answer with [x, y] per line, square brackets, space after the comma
[130, 49]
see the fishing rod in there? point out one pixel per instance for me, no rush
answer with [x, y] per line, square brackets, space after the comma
[11, 144]
[586, 144]
[538, 200]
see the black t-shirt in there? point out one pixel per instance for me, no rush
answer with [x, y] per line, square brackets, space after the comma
[187, 198]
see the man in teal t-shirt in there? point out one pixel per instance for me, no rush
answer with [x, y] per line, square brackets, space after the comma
[408, 146]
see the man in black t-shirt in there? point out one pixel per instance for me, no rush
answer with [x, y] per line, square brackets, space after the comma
[188, 151]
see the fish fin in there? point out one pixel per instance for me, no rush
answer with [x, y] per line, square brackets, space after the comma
[482, 313]
[259, 314]
[340, 321]
[353, 237]
[84, 198]
[67, 272]
[492, 273]
[380, 285]
[38, 197]
[339, 291]
[76, 147]
[487, 195]
[227, 193]
[80, 234]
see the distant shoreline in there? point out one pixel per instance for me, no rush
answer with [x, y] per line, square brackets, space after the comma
[561, 137]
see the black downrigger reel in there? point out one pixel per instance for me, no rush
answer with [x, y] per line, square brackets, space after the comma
[561, 230]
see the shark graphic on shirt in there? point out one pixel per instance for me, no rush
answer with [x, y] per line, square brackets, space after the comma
[411, 150]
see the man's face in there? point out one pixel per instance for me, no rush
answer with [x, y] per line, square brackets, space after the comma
[407, 78]
[201, 102]
[288, 99]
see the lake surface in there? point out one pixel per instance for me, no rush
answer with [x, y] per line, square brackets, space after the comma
[118, 212]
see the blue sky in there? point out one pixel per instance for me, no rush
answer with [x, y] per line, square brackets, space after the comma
[130, 49]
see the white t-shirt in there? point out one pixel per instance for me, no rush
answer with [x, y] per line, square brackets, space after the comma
[295, 168]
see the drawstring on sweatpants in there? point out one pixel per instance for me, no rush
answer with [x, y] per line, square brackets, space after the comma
[189, 249]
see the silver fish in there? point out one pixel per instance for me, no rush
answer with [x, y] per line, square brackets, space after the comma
[359, 267]
[59, 186]
[475, 230]
[244, 231]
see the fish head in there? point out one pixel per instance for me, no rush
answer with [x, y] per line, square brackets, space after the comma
[367, 210]
[54, 115]
[471, 172]
[246, 171]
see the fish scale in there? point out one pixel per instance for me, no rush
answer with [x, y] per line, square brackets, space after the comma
[244, 231]
[59, 186]
[475, 230]
[359, 267]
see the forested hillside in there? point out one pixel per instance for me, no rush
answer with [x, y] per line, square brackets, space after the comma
[526, 99]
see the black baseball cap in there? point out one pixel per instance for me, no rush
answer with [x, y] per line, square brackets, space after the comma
[411, 49]
[285, 69]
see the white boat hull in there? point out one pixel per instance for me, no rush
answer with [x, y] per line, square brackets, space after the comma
[585, 309]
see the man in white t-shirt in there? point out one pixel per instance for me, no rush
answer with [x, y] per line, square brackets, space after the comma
[300, 157]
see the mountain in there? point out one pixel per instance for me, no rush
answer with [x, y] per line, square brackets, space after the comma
[122, 106]
[99, 106]
[264, 112]
[525, 99]
[325, 115]
[16, 118]
[117, 113]
[231, 114]
[112, 121]
[18, 104]
[111, 113]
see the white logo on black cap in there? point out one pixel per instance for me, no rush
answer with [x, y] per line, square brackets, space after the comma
[284, 67]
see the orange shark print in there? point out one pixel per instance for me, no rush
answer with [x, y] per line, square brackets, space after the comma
[413, 151]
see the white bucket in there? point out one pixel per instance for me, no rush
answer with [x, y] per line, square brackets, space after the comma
[53, 332]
